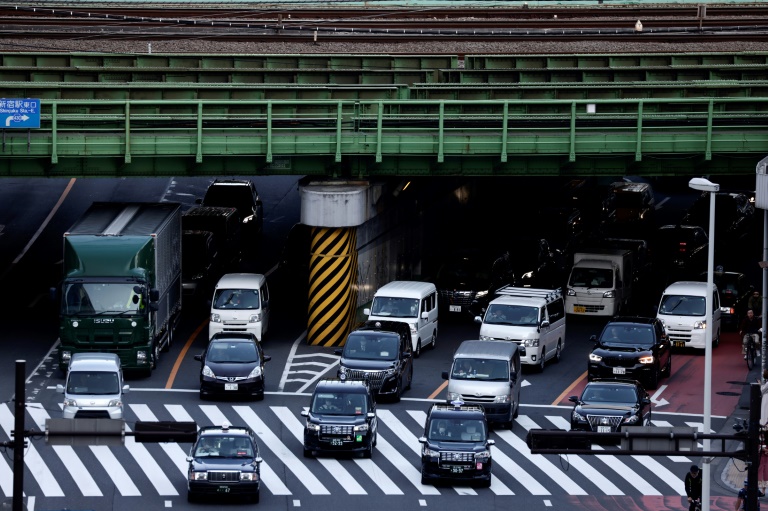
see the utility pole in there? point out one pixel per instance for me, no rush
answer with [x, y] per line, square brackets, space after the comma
[18, 438]
[753, 444]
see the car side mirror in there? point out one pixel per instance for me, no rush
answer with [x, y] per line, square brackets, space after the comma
[425, 315]
[60, 388]
[126, 389]
[422, 440]
[305, 413]
[406, 354]
[478, 319]
[338, 352]
[646, 401]
[573, 399]
[490, 442]
[544, 324]
[593, 338]
[445, 375]
[371, 415]
[199, 358]
[267, 358]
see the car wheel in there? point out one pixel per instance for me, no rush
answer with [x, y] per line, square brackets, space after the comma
[203, 397]
[668, 368]
[368, 453]
[375, 439]
[424, 480]
[716, 340]
[255, 498]
[155, 357]
[191, 497]
[308, 453]
[410, 378]
[542, 359]
[558, 352]
[653, 380]
[517, 408]
[434, 340]
[399, 392]
[417, 351]
[485, 483]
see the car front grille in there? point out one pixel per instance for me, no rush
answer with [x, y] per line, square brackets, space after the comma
[336, 430]
[457, 297]
[92, 414]
[457, 457]
[472, 398]
[604, 420]
[679, 333]
[223, 476]
[616, 361]
[375, 378]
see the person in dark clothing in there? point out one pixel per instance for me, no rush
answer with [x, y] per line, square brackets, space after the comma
[749, 329]
[693, 486]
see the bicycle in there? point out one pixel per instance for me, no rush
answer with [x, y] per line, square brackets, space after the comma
[751, 350]
[697, 505]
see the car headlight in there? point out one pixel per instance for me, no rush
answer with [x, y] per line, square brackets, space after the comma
[578, 417]
[198, 476]
[609, 294]
[215, 318]
[254, 318]
[255, 373]
[502, 399]
[391, 371]
[700, 325]
[248, 476]
[646, 360]
[66, 355]
[115, 402]
[454, 396]
[313, 428]
[483, 456]
[481, 294]
[362, 428]
[207, 372]
[70, 402]
[414, 329]
[571, 292]
[141, 357]
[486, 338]
[631, 419]
[531, 343]
[595, 358]
[429, 452]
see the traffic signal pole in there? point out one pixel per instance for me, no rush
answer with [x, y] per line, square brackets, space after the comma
[18, 438]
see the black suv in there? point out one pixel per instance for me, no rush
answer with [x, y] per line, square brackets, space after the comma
[232, 365]
[341, 418]
[606, 406]
[455, 445]
[224, 461]
[381, 353]
[631, 347]
[240, 194]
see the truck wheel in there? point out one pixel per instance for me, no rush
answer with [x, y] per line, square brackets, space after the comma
[434, 340]
[169, 340]
[558, 353]
[542, 359]
[417, 351]
[154, 357]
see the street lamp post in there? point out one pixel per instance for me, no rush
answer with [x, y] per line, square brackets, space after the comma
[705, 185]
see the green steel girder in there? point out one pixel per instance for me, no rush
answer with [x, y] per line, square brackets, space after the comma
[264, 133]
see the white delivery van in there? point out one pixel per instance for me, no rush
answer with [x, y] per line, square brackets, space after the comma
[487, 373]
[683, 311]
[600, 283]
[240, 304]
[530, 317]
[94, 388]
[411, 302]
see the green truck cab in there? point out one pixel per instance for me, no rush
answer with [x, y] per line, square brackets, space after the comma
[121, 289]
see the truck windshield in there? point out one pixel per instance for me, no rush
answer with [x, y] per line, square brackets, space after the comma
[100, 298]
[395, 307]
[515, 315]
[236, 299]
[480, 369]
[592, 277]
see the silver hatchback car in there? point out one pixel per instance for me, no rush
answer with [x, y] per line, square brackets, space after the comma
[94, 387]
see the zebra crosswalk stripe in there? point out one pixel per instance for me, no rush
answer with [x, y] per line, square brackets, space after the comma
[172, 449]
[115, 470]
[150, 467]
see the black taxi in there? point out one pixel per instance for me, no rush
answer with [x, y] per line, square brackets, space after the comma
[455, 445]
[341, 419]
[224, 462]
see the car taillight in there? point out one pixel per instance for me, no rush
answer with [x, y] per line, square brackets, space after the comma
[682, 247]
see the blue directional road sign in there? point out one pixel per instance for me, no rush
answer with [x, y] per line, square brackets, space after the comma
[19, 113]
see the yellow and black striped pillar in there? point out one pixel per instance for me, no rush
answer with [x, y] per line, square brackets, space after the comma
[332, 285]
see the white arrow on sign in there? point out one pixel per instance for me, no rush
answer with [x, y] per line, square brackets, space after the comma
[15, 118]
[655, 397]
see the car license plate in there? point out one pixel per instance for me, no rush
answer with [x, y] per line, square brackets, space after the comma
[619, 370]
[454, 308]
[223, 489]
[230, 386]
[336, 441]
[579, 309]
[679, 344]
[457, 470]
[603, 429]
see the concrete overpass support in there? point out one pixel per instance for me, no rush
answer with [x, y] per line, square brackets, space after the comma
[334, 210]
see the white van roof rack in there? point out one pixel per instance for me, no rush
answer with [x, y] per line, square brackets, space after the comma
[548, 294]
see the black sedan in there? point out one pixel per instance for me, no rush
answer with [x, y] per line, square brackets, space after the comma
[607, 406]
[224, 462]
[233, 365]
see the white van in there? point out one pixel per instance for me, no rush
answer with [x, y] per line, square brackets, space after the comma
[487, 373]
[683, 311]
[240, 304]
[411, 302]
[94, 387]
[533, 318]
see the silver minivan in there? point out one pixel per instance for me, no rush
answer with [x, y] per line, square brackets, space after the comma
[487, 373]
[94, 387]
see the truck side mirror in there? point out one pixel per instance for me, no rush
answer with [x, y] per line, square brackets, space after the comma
[154, 295]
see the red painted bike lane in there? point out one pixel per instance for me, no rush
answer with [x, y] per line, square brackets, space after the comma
[683, 391]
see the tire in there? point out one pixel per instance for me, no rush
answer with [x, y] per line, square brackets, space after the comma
[396, 397]
[191, 497]
[417, 351]
[424, 480]
[558, 352]
[255, 498]
[517, 408]
[751, 355]
[368, 453]
[169, 340]
[485, 484]
[410, 378]
[653, 380]
[542, 360]
[155, 357]
[668, 367]
[434, 340]
[716, 340]
[308, 453]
